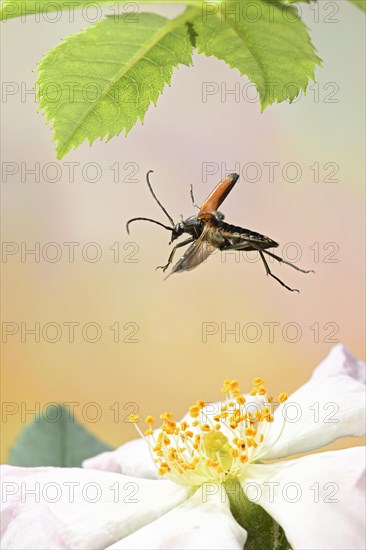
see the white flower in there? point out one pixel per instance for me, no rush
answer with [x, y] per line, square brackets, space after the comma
[123, 499]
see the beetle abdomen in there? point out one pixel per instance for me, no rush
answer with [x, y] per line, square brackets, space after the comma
[247, 235]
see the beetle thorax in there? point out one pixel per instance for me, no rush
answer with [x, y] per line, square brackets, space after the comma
[193, 226]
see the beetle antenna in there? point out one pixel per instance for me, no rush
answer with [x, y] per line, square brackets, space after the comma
[192, 197]
[157, 200]
[146, 220]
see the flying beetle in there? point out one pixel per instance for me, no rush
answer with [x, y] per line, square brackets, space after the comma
[208, 232]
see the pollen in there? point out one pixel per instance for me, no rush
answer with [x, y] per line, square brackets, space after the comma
[282, 397]
[212, 446]
[194, 411]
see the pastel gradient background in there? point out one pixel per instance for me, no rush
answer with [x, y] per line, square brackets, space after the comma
[170, 366]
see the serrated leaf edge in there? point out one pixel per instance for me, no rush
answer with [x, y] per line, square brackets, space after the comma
[170, 25]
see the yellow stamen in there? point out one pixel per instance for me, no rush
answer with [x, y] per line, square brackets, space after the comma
[192, 452]
[194, 411]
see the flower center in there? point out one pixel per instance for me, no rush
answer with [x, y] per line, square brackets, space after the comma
[215, 441]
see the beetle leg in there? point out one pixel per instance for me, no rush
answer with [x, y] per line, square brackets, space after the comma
[274, 276]
[279, 259]
[171, 255]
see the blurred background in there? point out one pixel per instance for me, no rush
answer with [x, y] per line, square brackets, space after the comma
[110, 330]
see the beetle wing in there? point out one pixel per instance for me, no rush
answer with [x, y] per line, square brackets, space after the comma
[217, 196]
[197, 253]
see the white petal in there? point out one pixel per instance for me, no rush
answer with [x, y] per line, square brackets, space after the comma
[330, 488]
[132, 459]
[203, 522]
[341, 361]
[331, 405]
[73, 508]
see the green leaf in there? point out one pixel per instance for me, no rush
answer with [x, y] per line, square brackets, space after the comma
[21, 8]
[265, 41]
[263, 531]
[360, 4]
[54, 438]
[101, 81]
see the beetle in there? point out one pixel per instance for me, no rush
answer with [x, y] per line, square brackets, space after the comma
[208, 232]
